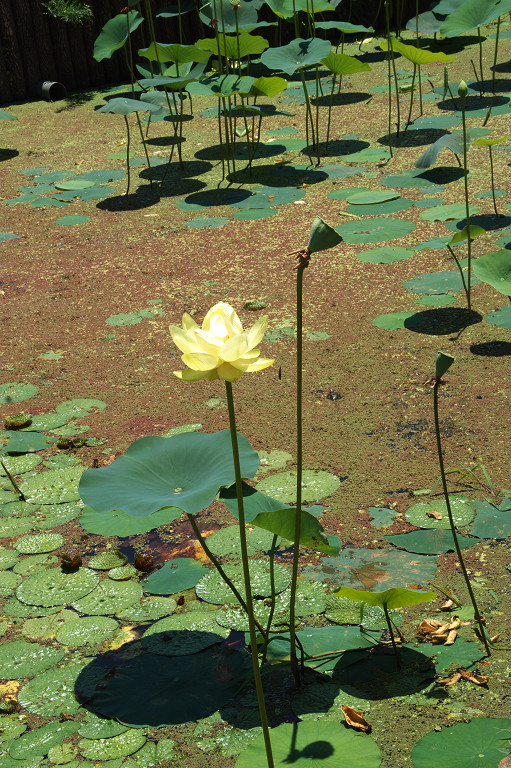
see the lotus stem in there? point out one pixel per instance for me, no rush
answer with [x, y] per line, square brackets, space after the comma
[467, 207]
[145, 150]
[437, 381]
[393, 639]
[411, 99]
[246, 577]
[461, 272]
[127, 152]
[480, 58]
[273, 596]
[492, 181]
[495, 56]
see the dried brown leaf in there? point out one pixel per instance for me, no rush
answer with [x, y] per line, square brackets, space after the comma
[447, 605]
[451, 637]
[429, 625]
[473, 678]
[450, 680]
[355, 719]
[436, 515]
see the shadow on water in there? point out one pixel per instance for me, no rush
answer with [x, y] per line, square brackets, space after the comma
[283, 176]
[337, 148]
[8, 154]
[442, 321]
[473, 103]
[175, 174]
[492, 349]
[413, 137]
[216, 151]
[145, 196]
[340, 99]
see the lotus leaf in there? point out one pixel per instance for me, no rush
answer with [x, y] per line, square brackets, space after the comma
[423, 514]
[109, 597]
[501, 318]
[8, 558]
[24, 442]
[495, 269]
[45, 628]
[123, 573]
[380, 209]
[269, 87]
[123, 106]
[472, 14]
[224, 14]
[14, 607]
[39, 543]
[430, 542]
[12, 727]
[435, 282]
[464, 653]
[343, 610]
[8, 582]
[183, 633]
[234, 48]
[63, 754]
[16, 393]
[390, 598]
[115, 33]
[230, 731]
[90, 629]
[96, 727]
[53, 692]
[370, 231]
[312, 741]
[416, 55]
[38, 742]
[381, 517]
[107, 560]
[317, 484]
[341, 64]
[19, 464]
[53, 486]
[213, 589]
[453, 141]
[446, 212]
[323, 701]
[19, 659]
[392, 321]
[53, 587]
[149, 609]
[51, 515]
[80, 406]
[492, 521]
[226, 541]
[181, 54]
[157, 472]
[481, 743]
[116, 746]
[174, 576]
[296, 55]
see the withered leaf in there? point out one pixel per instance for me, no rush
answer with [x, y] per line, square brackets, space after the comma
[450, 680]
[477, 679]
[355, 719]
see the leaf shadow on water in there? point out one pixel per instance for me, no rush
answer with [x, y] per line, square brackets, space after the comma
[166, 141]
[372, 56]
[8, 154]
[337, 148]
[176, 174]
[473, 103]
[485, 220]
[413, 138]
[217, 151]
[442, 321]
[283, 176]
[145, 196]
[502, 85]
[340, 99]
[442, 174]
[491, 349]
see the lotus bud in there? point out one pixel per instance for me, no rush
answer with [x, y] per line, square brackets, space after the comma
[462, 89]
[443, 363]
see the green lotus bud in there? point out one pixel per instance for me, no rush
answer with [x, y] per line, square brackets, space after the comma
[462, 89]
[443, 363]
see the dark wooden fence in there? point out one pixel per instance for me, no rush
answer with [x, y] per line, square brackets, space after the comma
[35, 46]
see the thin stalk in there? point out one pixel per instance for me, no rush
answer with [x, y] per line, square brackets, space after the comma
[272, 597]
[145, 150]
[127, 152]
[308, 116]
[411, 100]
[391, 630]
[461, 272]
[246, 576]
[420, 89]
[479, 85]
[480, 41]
[317, 113]
[451, 519]
[495, 56]
[467, 207]
[330, 111]
[492, 181]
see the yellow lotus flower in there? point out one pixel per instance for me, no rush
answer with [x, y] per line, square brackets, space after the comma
[221, 348]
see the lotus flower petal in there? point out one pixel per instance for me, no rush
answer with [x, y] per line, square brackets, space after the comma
[200, 362]
[256, 333]
[234, 348]
[229, 372]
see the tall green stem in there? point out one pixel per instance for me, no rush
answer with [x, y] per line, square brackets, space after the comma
[127, 152]
[495, 56]
[246, 576]
[492, 181]
[451, 519]
[467, 207]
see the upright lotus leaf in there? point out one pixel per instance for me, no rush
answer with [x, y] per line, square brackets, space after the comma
[490, 142]
[415, 55]
[322, 236]
[123, 106]
[495, 269]
[454, 141]
[341, 64]
[286, 9]
[343, 26]
[268, 86]
[296, 55]
[115, 33]
[171, 80]
[443, 363]
[427, 23]
[459, 237]
[234, 47]
[222, 86]
[472, 14]
[176, 10]
[179, 54]
[391, 598]
[183, 471]
[226, 18]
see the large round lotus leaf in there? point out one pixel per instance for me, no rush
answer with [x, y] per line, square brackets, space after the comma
[19, 464]
[372, 231]
[20, 659]
[438, 300]
[492, 522]
[392, 321]
[8, 558]
[435, 282]
[8, 582]
[432, 542]
[51, 515]
[34, 563]
[120, 524]
[385, 254]
[25, 442]
[12, 727]
[53, 692]
[323, 701]
[123, 573]
[38, 742]
[10, 762]
[495, 269]
[483, 742]
[149, 609]
[96, 727]
[45, 628]
[407, 179]
[184, 633]
[13, 607]
[297, 54]
[109, 597]
[316, 484]
[226, 541]
[369, 197]
[314, 743]
[107, 560]
[61, 461]
[39, 543]
[213, 589]
[16, 508]
[448, 212]
[15, 526]
[231, 731]
[53, 486]
[64, 754]
[116, 746]
[501, 318]
[89, 629]
[423, 515]
[344, 194]
[381, 209]
[80, 406]
[155, 472]
[464, 653]
[53, 587]
[174, 576]
[369, 155]
[343, 610]
[16, 393]
[47, 421]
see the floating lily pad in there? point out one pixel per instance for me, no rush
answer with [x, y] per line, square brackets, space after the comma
[89, 629]
[149, 609]
[435, 282]
[16, 393]
[80, 406]
[392, 321]
[316, 484]
[344, 610]
[15, 526]
[184, 633]
[5, 236]
[482, 743]
[39, 543]
[53, 587]
[108, 597]
[501, 318]
[96, 727]
[381, 209]
[372, 231]
[36, 743]
[118, 523]
[226, 541]
[203, 222]
[8, 582]
[433, 542]
[381, 517]
[448, 212]
[314, 742]
[252, 214]
[492, 521]
[67, 221]
[107, 560]
[438, 300]
[19, 659]
[323, 701]
[213, 589]
[64, 754]
[25, 442]
[422, 515]
[17, 465]
[51, 515]
[45, 627]
[174, 576]
[370, 197]
[123, 744]
[385, 254]
[8, 558]
[53, 486]
[123, 573]
[369, 155]
[464, 653]
[34, 563]
[53, 692]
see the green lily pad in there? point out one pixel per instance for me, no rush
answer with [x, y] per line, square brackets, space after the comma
[226, 541]
[381, 517]
[53, 486]
[273, 460]
[370, 197]
[202, 222]
[495, 269]
[369, 155]
[371, 231]
[316, 485]
[435, 282]
[39, 543]
[213, 589]
[430, 542]
[74, 184]
[12, 727]
[89, 629]
[343, 610]
[314, 742]
[252, 214]
[392, 321]
[16, 393]
[36, 743]
[51, 515]
[174, 576]
[15, 526]
[80, 406]
[501, 318]
[422, 515]
[123, 573]
[8, 558]
[483, 743]
[149, 609]
[183, 633]
[123, 744]
[63, 754]
[25, 442]
[67, 221]
[17, 609]
[8, 582]
[53, 587]
[323, 701]
[118, 523]
[107, 560]
[448, 212]
[46, 422]
[381, 209]
[45, 627]
[385, 254]
[53, 692]
[19, 659]
[492, 521]
[96, 727]
[17, 465]
[108, 597]
[464, 653]
[34, 563]
[438, 300]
